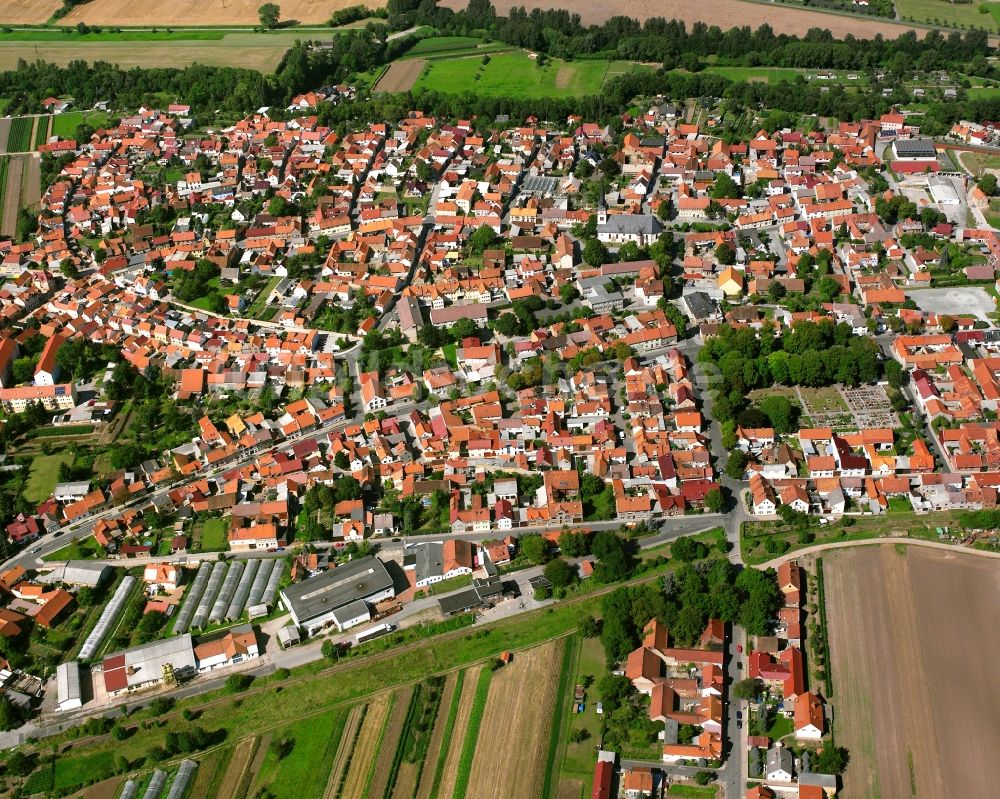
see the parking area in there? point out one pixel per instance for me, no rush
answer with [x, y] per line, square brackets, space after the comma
[959, 300]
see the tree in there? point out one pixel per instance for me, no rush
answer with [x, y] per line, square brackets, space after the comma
[686, 548]
[68, 269]
[482, 239]
[590, 627]
[269, 14]
[988, 183]
[534, 548]
[615, 560]
[19, 764]
[595, 253]
[831, 760]
[828, 288]
[568, 292]
[282, 747]
[560, 573]
[736, 466]
[747, 689]
[237, 683]
[780, 412]
[725, 254]
[713, 501]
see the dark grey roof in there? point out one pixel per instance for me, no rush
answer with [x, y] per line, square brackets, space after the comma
[699, 304]
[915, 147]
[630, 224]
[334, 589]
[462, 601]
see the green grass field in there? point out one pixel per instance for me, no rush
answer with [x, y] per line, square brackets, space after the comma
[65, 125]
[941, 12]
[213, 536]
[41, 131]
[4, 164]
[298, 774]
[763, 74]
[44, 476]
[19, 138]
[443, 44]
[577, 759]
[82, 549]
[514, 75]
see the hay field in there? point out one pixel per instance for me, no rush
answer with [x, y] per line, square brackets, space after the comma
[516, 726]
[200, 12]
[725, 13]
[400, 76]
[914, 653]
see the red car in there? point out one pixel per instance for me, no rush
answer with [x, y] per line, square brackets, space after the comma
[739, 649]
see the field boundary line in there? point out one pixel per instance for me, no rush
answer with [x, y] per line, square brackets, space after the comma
[876, 541]
[561, 720]
[449, 729]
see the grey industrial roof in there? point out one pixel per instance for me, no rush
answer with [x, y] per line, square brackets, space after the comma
[333, 589]
[350, 611]
[428, 559]
[68, 681]
[914, 147]
[77, 572]
[463, 600]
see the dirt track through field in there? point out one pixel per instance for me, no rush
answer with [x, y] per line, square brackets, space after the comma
[914, 648]
[364, 750]
[344, 750]
[466, 701]
[724, 13]
[400, 76]
[517, 723]
[12, 198]
[437, 735]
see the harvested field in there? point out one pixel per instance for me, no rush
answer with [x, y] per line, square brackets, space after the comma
[400, 76]
[197, 12]
[32, 187]
[12, 196]
[437, 738]
[344, 751]
[725, 13]
[517, 723]
[914, 670]
[27, 12]
[389, 741]
[357, 780]
[108, 789]
[447, 787]
[239, 773]
[4, 133]
[212, 769]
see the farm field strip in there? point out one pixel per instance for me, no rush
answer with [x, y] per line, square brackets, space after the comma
[518, 720]
[356, 780]
[345, 751]
[211, 771]
[469, 745]
[19, 138]
[237, 777]
[400, 76]
[4, 133]
[199, 12]
[899, 621]
[12, 195]
[437, 748]
[378, 776]
[27, 12]
[294, 773]
[445, 789]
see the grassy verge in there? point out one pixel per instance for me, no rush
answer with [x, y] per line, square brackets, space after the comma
[824, 636]
[558, 731]
[4, 163]
[464, 770]
[65, 430]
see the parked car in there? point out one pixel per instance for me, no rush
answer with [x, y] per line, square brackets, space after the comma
[739, 649]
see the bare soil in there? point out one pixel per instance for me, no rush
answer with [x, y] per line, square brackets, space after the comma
[724, 13]
[4, 131]
[400, 76]
[447, 787]
[914, 652]
[517, 722]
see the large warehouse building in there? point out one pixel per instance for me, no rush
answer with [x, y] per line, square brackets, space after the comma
[142, 666]
[341, 596]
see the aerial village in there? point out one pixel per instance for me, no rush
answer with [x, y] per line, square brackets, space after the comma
[392, 355]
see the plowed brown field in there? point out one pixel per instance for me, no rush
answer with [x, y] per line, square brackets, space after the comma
[914, 649]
